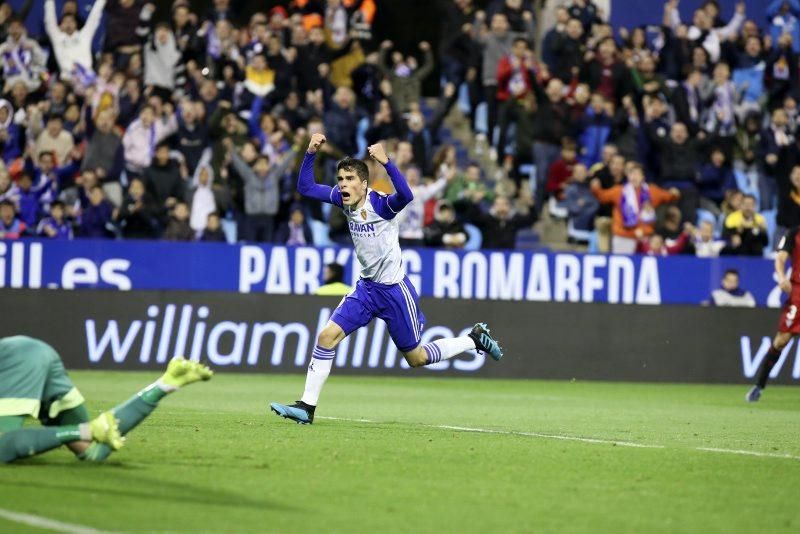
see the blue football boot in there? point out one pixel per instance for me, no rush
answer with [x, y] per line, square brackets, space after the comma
[299, 412]
[484, 342]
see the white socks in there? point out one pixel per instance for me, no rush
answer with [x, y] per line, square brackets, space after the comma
[318, 371]
[444, 349]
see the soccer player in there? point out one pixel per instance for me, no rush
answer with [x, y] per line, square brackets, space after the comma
[789, 324]
[383, 291]
[34, 383]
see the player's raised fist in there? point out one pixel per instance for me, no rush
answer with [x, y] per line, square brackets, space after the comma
[378, 153]
[317, 140]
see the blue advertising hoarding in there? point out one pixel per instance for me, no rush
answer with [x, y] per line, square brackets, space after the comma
[277, 270]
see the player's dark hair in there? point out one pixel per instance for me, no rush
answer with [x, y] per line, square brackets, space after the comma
[44, 153]
[9, 204]
[731, 271]
[353, 164]
[337, 273]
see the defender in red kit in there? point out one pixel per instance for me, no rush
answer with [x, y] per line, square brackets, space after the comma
[789, 325]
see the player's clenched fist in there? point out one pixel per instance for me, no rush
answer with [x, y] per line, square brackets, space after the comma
[317, 140]
[378, 154]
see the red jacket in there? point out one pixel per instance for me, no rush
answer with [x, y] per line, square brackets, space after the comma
[558, 175]
[505, 73]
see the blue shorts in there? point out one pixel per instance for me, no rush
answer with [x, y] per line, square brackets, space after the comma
[396, 304]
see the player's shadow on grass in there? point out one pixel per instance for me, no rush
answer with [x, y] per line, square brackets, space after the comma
[166, 490]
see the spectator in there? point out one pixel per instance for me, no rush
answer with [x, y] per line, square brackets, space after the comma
[142, 137]
[514, 72]
[138, 217]
[731, 294]
[163, 69]
[550, 126]
[333, 283]
[11, 136]
[73, 47]
[783, 17]
[680, 162]
[192, 135]
[634, 208]
[23, 60]
[97, 215]
[500, 226]
[561, 170]
[164, 178]
[777, 154]
[295, 232]
[656, 245]
[789, 204]
[341, 121]
[201, 199]
[11, 227]
[714, 179]
[178, 228]
[706, 245]
[104, 149]
[56, 225]
[569, 49]
[212, 231]
[56, 140]
[496, 44]
[410, 220]
[405, 76]
[579, 200]
[261, 193]
[595, 130]
[746, 229]
[445, 231]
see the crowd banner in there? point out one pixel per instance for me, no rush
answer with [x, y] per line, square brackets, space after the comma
[142, 330]
[277, 270]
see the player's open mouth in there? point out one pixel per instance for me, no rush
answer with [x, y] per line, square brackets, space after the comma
[345, 196]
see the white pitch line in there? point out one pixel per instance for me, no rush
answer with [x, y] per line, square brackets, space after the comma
[563, 437]
[517, 433]
[45, 523]
[749, 453]
[550, 436]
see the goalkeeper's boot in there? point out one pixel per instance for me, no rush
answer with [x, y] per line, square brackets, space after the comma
[484, 342]
[753, 395]
[105, 429]
[299, 412]
[182, 372]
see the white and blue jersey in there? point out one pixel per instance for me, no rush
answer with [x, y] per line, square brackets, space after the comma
[383, 291]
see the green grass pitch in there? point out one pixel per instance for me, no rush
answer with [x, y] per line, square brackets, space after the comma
[212, 459]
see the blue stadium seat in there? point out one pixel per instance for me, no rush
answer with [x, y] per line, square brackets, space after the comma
[230, 229]
[705, 215]
[772, 224]
[584, 236]
[319, 231]
[475, 239]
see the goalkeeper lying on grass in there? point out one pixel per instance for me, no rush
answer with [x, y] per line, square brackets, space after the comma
[34, 383]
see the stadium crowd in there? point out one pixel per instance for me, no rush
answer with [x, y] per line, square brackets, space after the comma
[675, 137]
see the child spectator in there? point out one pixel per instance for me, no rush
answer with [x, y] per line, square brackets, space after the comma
[55, 226]
[213, 233]
[178, 228]
[10, 225]
[579, 200]
[97, 215]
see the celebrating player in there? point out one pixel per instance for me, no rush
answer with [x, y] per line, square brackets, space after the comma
[33, 382]
[383, 291]
[789, 324]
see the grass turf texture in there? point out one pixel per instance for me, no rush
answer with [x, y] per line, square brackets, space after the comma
[211, 458]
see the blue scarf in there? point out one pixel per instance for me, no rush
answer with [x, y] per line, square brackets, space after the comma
[635, 208]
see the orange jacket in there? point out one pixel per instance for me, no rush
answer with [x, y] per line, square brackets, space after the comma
[613, 195]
